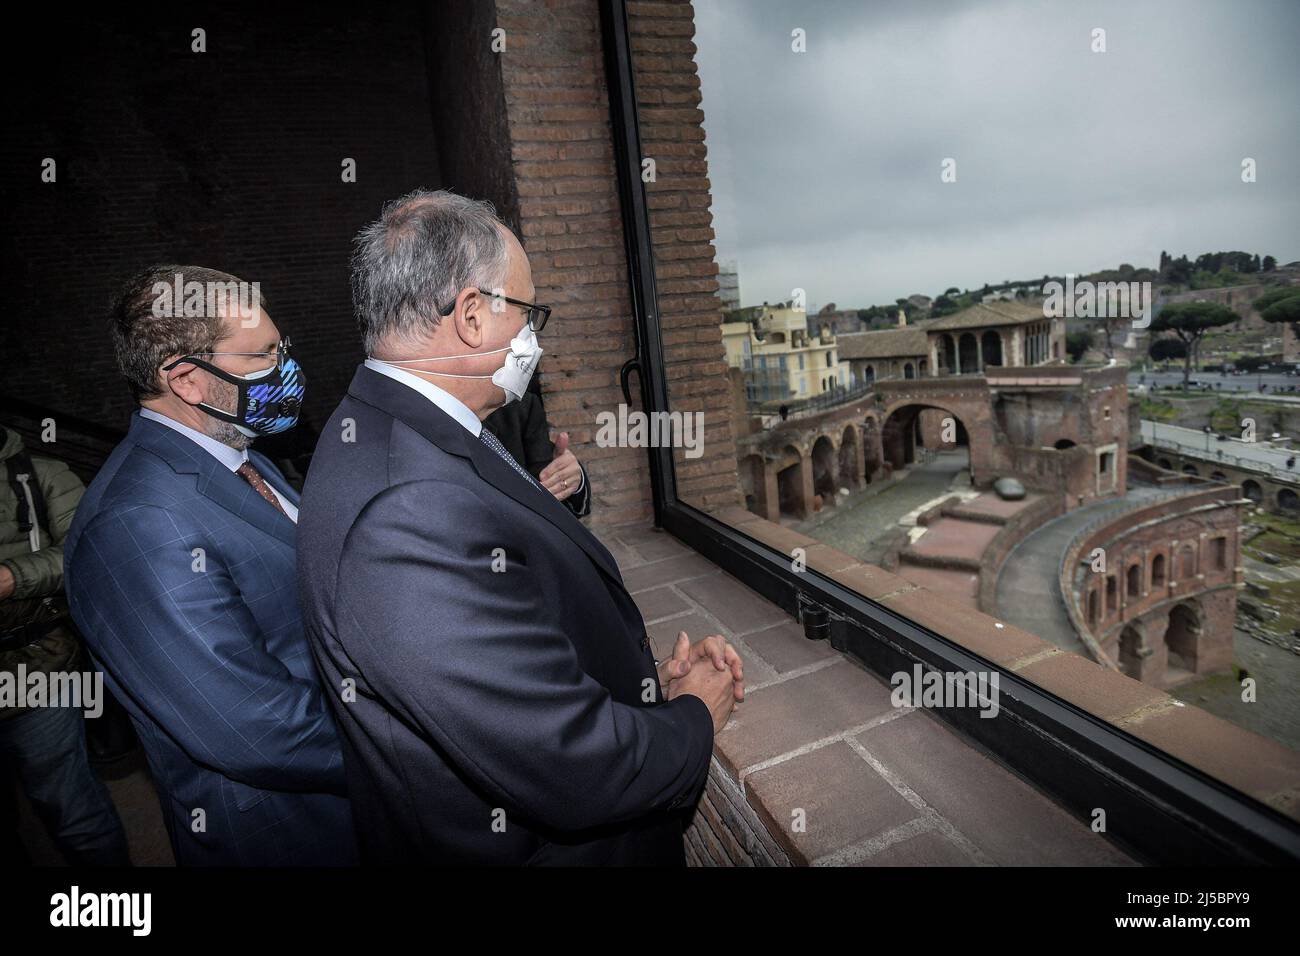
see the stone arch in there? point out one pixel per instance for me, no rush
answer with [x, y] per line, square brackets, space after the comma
[908, 370]
[968, 354]
[991, 346]
[850, 457]
[823, 467]
[899, 430]
[1158, 571]
[1166, 464]
[1061, 444]
[1288, 500]
[1191, 470]
[948, 354]
[1251, 489]
[1133, 581]
[791, 487]
[1183, 636]
[1218, 476]
[1130, 651]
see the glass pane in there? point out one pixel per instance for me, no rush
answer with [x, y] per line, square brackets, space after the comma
[1005, 305]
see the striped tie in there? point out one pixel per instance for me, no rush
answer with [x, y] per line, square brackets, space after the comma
[491, 441]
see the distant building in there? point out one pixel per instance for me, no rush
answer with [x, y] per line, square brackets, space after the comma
[966, 342]
[778, 356]
[729, 284]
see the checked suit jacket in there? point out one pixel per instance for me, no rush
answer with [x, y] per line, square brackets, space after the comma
[507, 709]
[183, 581]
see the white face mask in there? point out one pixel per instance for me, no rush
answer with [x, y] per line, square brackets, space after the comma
[513, 377]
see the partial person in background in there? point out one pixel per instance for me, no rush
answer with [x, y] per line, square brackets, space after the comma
[45, 747]
[524, 431]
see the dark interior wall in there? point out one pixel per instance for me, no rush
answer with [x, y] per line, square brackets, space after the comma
[229, 159]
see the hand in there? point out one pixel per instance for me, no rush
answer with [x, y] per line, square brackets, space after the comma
[678, 664]
[563, 475]
[713, 686]
[7, 582]
[714, 648]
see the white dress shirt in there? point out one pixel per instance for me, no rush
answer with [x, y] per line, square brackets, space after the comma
[228, 456]
[448, 402]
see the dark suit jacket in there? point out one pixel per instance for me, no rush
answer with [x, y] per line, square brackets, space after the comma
[206, 651]
[522, 428]
[499, 663]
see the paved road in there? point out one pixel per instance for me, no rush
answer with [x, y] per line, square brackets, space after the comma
[1029, 592]
[1221, 383]
[1260, 455]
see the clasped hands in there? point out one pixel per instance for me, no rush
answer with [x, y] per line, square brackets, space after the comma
[713, 650]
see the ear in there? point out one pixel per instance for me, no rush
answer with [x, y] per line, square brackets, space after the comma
[470, 317]
[185, 381]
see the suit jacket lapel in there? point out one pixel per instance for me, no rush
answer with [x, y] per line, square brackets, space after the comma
[213, 479]
[420, 414]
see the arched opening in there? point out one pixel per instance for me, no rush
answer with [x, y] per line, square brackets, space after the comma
[789, 484]
[1218, 476]
[991, 345]
[1112, 594]
[849, 457]
[1134, 581]
[1130, 652]
[1190, 470]
[908, 371]
[1288, 501]
[1166, 464]
[823, 462]
[1063, 443]
[968, 353]
[1183, 637]
[871, 452]
[868, 374]
[944, 437]
[947, 354]
[1251, 490]
[1158, 571]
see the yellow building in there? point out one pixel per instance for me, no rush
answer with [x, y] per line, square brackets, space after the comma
[779, 359]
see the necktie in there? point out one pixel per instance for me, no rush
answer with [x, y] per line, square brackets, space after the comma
[491, 441]
[254, 478]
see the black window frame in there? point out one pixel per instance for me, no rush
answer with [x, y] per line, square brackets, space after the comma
[1158, 808]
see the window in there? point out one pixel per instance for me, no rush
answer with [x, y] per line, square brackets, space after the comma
[975, 432]
[1219, 549]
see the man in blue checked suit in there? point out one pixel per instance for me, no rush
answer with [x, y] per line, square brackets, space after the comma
[507, 707]
[180, 570]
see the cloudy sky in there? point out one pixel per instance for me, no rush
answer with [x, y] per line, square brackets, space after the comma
[825, 165]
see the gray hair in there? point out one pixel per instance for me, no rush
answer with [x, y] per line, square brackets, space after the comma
[417, 256]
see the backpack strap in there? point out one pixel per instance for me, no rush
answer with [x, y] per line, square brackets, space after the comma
[31, 500]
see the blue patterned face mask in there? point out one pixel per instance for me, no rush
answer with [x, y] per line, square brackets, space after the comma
[268, 401]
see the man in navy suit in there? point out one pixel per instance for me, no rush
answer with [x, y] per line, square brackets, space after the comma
[180, 572]
[507, 708]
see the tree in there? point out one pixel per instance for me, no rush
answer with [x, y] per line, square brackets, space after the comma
[1077, 343]
[1280, 306]
[1165, 349]
[1190, 321]
[1269, 264]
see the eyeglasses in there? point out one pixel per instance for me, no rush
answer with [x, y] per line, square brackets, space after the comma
[281, 353]
[537, 314]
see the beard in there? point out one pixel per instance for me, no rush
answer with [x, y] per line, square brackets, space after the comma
[225, 396]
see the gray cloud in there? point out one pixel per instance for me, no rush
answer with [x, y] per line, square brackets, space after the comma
[825, 165]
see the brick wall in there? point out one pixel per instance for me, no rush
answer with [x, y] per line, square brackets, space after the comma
[562, 149]
[229, 158]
